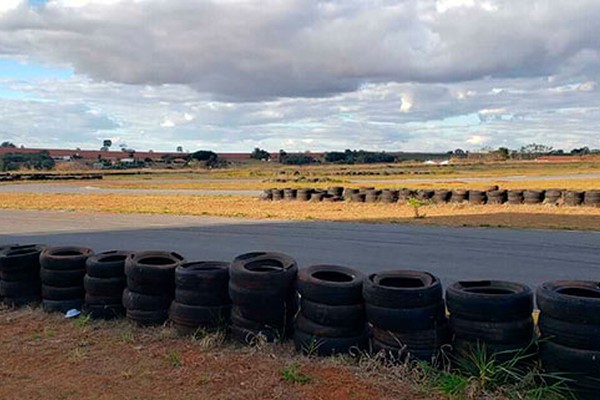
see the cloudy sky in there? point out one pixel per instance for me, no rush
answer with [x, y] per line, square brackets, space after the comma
[230, 75]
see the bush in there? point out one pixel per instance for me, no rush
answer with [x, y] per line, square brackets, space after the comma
[359, 157]
[209, 158]
[15, 161]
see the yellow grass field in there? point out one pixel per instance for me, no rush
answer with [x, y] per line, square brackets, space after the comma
[517, 216]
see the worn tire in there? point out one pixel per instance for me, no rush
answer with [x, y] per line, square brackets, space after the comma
[203, 276]
[402, 289]
[109, 264]
[399, 354]
[19, 289]
[345, 315]
[430, 339]
[66, 278]
[194, 316]
[105, 312]
[104, 287]
[580, 336]
[64, 258]
[21, 300]
[492, 301]
[145, 302]
[201, 298]
[330, 284]
[306, 325]
[152, 272]
[148, 318]
[61, 306]
[20, 263]
[407, 319]
[571, 301]
[63, 293]
[507, 332]
[263, 270]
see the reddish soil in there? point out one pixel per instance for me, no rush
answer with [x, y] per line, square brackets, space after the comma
[47, 357]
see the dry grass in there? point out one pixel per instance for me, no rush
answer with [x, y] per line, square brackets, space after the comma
[518, 216]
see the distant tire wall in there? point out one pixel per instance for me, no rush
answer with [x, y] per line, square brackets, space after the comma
[491, 196]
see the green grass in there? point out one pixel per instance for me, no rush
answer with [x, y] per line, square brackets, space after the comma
[292, 375]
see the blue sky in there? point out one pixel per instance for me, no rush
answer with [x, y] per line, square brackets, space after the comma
[429, 75]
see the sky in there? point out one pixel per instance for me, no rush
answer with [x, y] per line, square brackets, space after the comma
[231, 75]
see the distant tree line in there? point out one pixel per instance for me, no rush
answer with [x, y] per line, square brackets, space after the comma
[359, 157]
[16, 161]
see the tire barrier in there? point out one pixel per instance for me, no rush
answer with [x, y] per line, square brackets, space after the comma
[497, 197]
[263, 296]
[104, 283]
[493, 196]
[515, 196]
[332, 314]
[150, 286]
[477, 197]
[459, 196]
[573, 198]
[494, 316]
[201, 297]
[592, 198]
[20, 283]
[61, 271]
[406, 312]
[569, 323]
[533, 197]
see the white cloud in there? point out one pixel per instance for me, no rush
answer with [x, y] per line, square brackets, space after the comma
[10, 5]
[477, 140]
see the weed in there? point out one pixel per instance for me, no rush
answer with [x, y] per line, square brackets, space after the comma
[416, 205]
[128, 336]
[82, 321]
[293, 375]
[174, 358]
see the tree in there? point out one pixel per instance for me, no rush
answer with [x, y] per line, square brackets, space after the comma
[209, 158]
[260, 154]
[179, 149]
[107, 143]
[7, 144]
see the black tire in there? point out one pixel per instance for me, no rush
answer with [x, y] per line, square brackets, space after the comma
[65, 278]
[492, 301]
[263, 270]
[306, 325]
[202, 276]
[63, 293]
[61, 306]
[276, 316]
[105, 312]
[402, 289]
[19, 289]
[407, 319]
[147, 318]
[505, 332]
[104, 287]
[102, 301]
[571, 301]
[569, 334]
[64, 258]
[556, 357]
[326, 346]
[152, 272]
[401, 354]
[20, 263]
[145, 302]
[201, 298]
[428, 340]
[239, 320]
[330, 284]
[195, 316]
[21, 301]
[274, 297]
[109, 264]
[324, 314]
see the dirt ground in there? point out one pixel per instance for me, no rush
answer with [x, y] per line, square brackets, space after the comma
[47, 357]
[515, 216]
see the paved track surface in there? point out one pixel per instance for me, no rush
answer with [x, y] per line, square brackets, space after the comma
[452, 253]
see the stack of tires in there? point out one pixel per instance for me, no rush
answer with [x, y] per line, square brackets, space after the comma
[496, 197]
[553, 196]
[358, 197]
[289, 194]
[477, 197]
[515, 196]
[263, 296]
[425, 194]
[20, 275]
[335, 191]
[332, 313]
[406, 312]
[573, 198]
[533, 197]
[372, 195]
[441, 196]
[303, 194]
[459, 196]
[62, 271]
[406, 194]
[266, 195]
[570, 326]
[150, 286]
[348, 192]
[316, 196]
[276, 194]
[389, 196]
[492, 316]
[104, 283]
[201, 297]
[592, 198]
